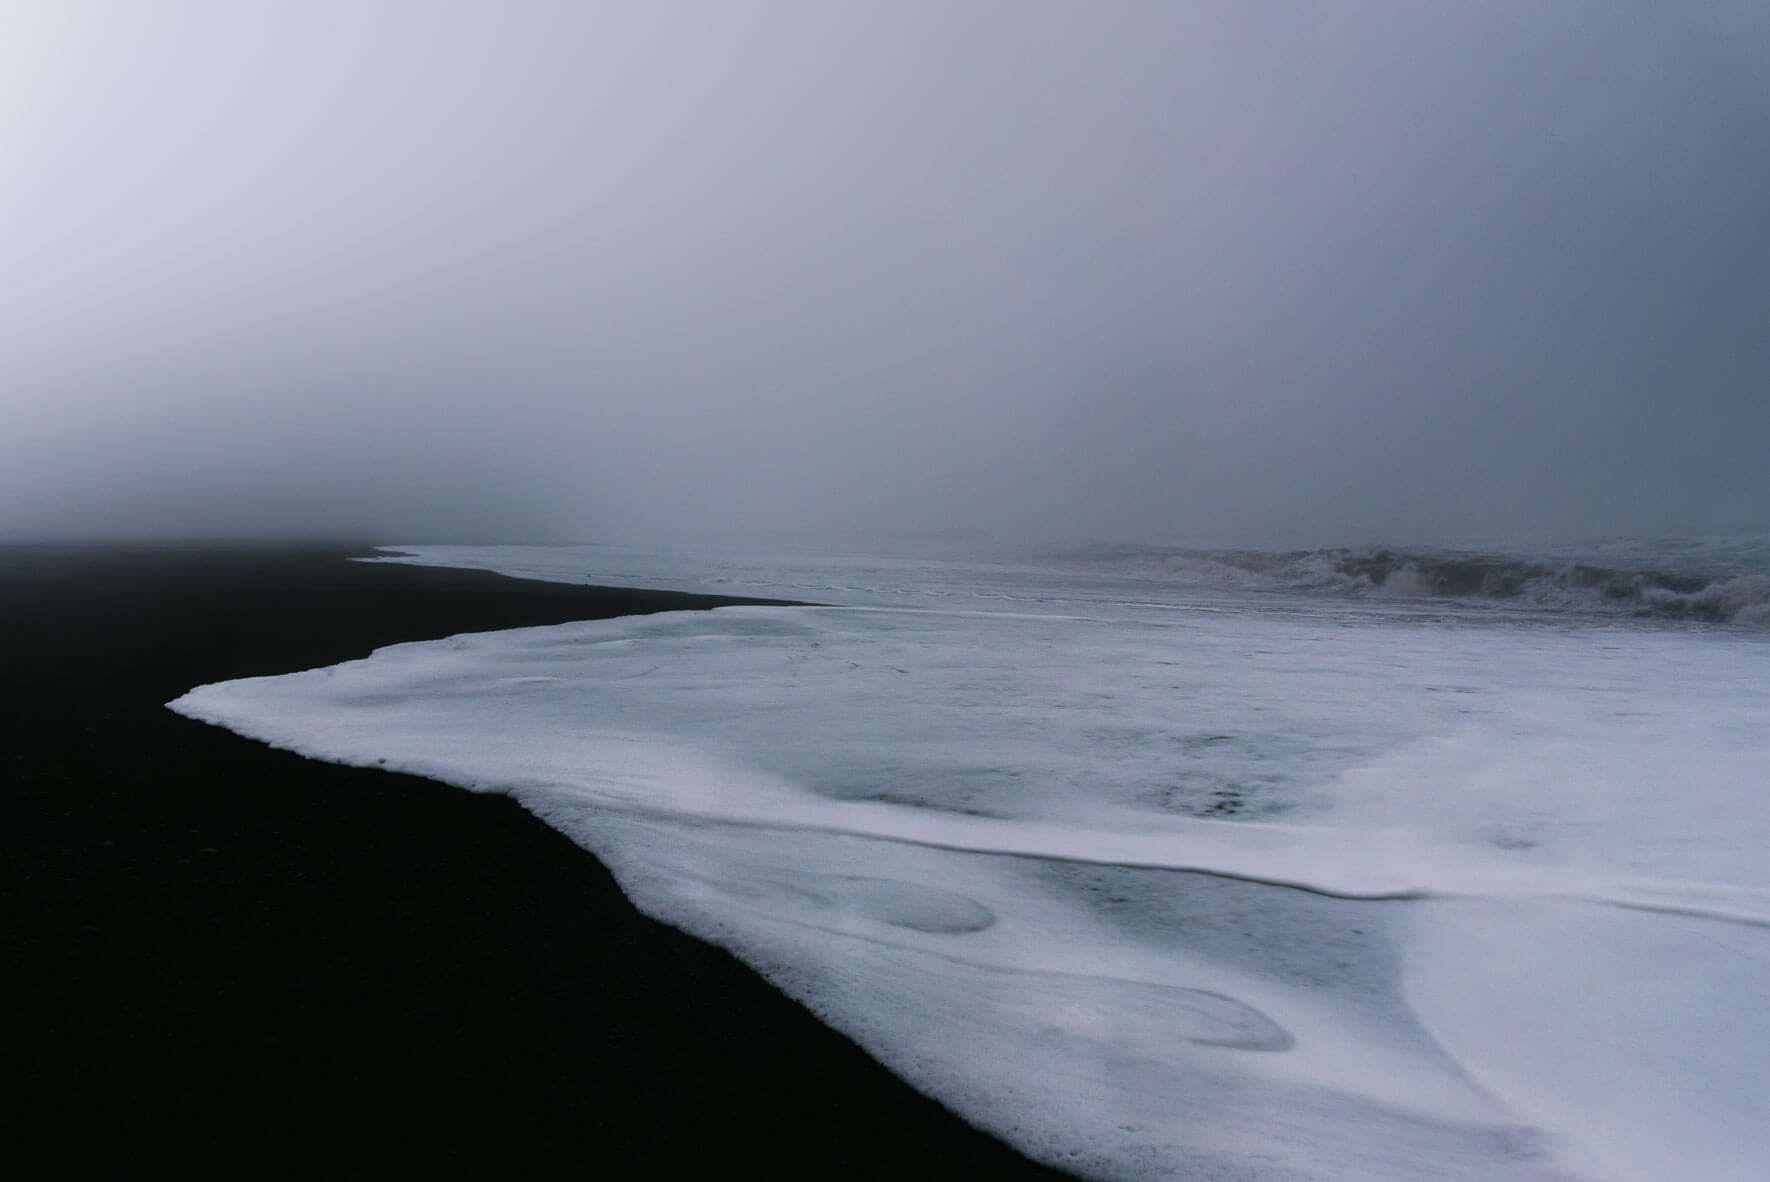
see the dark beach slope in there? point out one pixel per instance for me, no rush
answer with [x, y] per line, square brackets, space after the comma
[219, 955]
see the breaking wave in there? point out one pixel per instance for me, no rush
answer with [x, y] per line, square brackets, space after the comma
[1532, 582]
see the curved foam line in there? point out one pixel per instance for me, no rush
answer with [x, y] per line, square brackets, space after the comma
[1686, 910]
[1471, 879]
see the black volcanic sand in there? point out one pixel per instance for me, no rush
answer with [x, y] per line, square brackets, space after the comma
[224, 957]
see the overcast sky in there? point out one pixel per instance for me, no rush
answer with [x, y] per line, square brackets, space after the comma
[1300, 273]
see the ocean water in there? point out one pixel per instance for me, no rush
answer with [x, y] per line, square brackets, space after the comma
[1176, 863]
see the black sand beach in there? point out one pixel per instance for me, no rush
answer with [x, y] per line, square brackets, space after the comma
[220, 956]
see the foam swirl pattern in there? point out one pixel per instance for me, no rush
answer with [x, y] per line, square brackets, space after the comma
[1170, 889]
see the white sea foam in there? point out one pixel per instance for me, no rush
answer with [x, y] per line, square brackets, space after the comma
[1162, 886]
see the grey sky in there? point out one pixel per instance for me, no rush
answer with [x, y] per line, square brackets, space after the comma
[1288, 272]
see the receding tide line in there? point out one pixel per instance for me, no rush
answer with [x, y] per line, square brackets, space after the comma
[1482, 881]
[994, 850]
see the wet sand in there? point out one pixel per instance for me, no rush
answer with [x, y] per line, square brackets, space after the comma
[221, 956]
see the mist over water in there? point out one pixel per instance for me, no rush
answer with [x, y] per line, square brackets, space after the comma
[1704, 580]
[1335, 274]
[1286, 484]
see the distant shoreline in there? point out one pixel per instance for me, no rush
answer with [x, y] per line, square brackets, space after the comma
[225, 953]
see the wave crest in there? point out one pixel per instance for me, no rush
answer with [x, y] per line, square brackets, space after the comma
[1544, 583]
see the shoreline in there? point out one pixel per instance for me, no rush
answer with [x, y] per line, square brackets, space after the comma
[219, 951]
